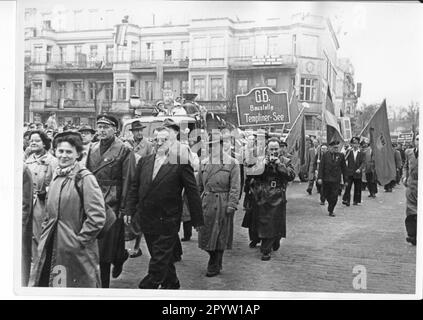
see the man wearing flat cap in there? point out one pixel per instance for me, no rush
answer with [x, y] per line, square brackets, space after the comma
[112, 163]
[354, 160]
[332, 167]
[87, 135]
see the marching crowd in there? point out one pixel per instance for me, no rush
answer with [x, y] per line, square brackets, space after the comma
[86, 192]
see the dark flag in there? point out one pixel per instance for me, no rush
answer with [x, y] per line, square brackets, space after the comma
[332, 126]
[296, 142]
[380, 141]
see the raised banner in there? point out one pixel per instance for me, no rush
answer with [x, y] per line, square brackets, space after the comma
[262, 107]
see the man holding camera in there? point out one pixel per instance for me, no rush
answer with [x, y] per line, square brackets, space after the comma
[268, 187]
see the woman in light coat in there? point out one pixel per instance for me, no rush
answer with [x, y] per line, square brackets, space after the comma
[68, 251]
[42, 164]
[219, 183]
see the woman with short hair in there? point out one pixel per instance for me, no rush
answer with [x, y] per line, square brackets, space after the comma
[68, 249]
[41, 163]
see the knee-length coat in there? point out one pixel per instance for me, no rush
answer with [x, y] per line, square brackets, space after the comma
[42, 169]
[269, 198]
[410, 174]
[68, 238]
[219, 187]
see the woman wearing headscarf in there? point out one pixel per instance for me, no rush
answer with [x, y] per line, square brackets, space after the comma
[68, 251]
[219, 184]
[41, 163]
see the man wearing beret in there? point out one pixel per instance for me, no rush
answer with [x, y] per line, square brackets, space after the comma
[332, 167]
[112, 163]
[354, 159]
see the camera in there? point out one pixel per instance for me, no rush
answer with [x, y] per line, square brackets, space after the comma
[273, 156]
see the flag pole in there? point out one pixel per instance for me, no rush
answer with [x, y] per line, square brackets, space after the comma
[293, 125]
[365, 128]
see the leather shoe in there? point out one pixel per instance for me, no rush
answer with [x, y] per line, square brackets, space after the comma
[212, 273]
[346, 203]
[265, 257]
[331, 214]
[173, 286]
[117, 269]
[136, 254]
[322, 203]
[276, 246]
[411, 240]
[309, 191]
[355, 204]
[253, 244]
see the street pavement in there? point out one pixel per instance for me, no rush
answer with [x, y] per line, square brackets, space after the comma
[318, 255]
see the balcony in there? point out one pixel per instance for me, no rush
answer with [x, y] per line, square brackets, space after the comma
[252, 62]
[167, 63]
[78, 66]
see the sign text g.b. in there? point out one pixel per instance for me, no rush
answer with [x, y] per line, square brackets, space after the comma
[262, 107]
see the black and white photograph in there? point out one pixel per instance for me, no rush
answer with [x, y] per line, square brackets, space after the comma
[218, 149]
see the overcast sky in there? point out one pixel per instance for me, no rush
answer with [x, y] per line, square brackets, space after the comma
[383, 40]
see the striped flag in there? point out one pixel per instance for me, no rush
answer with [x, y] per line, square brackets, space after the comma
[332, 126]
[120, 34]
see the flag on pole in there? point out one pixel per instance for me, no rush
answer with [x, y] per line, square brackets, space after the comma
[120, 34]
[296, 142]
[332, 126]
[293, 108]
[380, 141]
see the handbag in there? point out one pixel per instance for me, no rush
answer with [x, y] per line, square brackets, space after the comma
[110, 214]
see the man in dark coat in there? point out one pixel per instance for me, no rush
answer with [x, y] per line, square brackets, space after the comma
[112, 163]
[268, 188]
[354, 159]
[27, 216]
[332, 167]
[155, 200]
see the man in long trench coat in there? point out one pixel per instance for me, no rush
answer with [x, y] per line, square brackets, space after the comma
[112, 163]
[269, 203]
[410, 179]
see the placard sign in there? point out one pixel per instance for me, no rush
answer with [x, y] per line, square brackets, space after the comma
[262, 107]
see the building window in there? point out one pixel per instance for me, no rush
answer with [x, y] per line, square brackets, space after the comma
[309, 46]
[184, 87]
[133, 88]
[149, 94]
[217, 48]
[48, 55]
[37, 54]
[242, 86]
[108, 91]
[78, 91]
[150, 51]
[167, 85]
[309, 123]
[78, 50]
[244, 47]
[199, 48]
[109, 53]
[217, 89]
[294, 44]
[199, 86]
[91, 90]
[121, 90]
[184, 50]
[168, 55]
[134, 50]
[62, 90]
[47, 24]
[37, 93]
[62, 53]
[308, 89]
[93, 51]
[272, 46]
[271, 83]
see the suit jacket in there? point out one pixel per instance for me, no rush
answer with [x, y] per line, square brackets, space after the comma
[353, 165]
[156, 205]
[141, 149]
[330, 169]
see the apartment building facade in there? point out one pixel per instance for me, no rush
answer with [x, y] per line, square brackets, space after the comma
[79, 73]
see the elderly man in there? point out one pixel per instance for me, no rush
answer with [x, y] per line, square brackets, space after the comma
[87, 135]
[112, 163]
[410, 180]
[155, 200]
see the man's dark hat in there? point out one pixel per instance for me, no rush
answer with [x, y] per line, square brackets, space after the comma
[169, 123]
[86, 128]
[137, 125]
[334, 143]
[363, 143]
[107, 119]
[355, 140]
